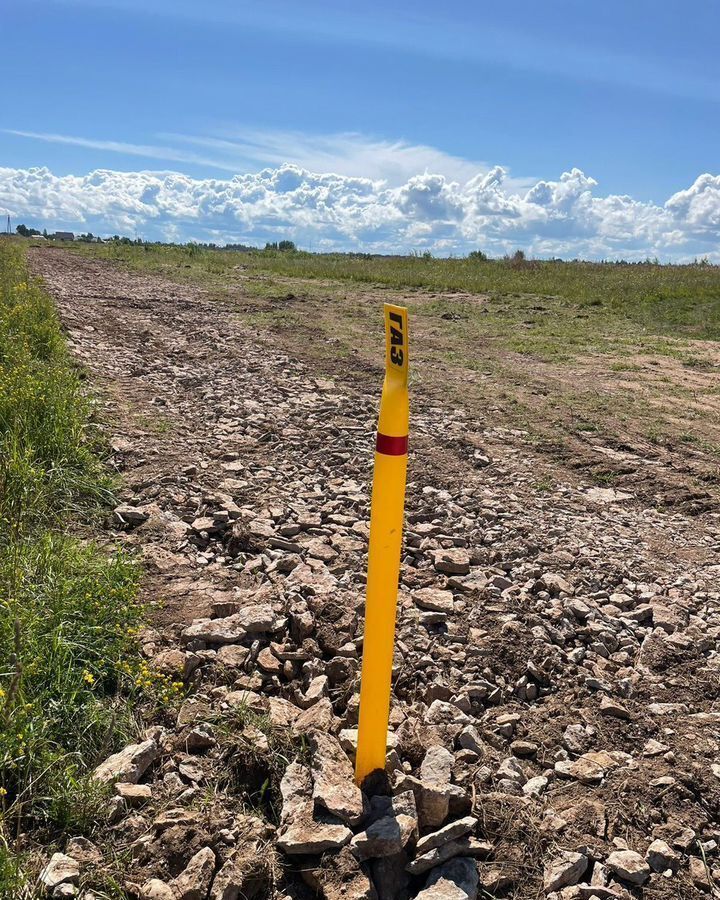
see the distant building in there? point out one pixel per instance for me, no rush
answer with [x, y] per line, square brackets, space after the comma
[63, 236]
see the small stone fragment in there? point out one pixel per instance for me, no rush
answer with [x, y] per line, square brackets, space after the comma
[453, 562]
[129, 764]
[564, 869]
[455, 880]
[134, 794]
[456, 829]
[661, 857]
[465, 846]
[194, 882]
[388, 835]
[126, 514]
[61, 869]
[334, 785]
[629, 865]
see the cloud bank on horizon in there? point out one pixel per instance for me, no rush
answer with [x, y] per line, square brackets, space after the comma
[567, 217]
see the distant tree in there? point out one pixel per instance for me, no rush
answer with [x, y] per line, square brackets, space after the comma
[44, 232]
[478, 255]
[518, 256]
[241, 248]
[24, 231]
[286, 245]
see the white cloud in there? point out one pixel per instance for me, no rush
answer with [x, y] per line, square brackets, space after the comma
[249, 149]
[566, 217]
[148, 151]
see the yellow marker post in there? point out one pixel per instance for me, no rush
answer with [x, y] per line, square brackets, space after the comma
[386, 521]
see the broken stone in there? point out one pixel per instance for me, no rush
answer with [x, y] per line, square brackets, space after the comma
[585, 770]
[564, 869]
[232, 656]
[610, 707]
[469, 739]
[340, 877]
[316, 690]
[453, 830]
[155, 889]
[390, 878]
[465, 846]
[269, 663]
[699, 874]
[453, 562]
[194, 882]
[61, 869]
[443, 713]
[200, 739]
[176, 663]
[232, 629]
[300, 832]
[661, 857]
[126, 514]
[556, 584]
[129, 765]
[628, 865]
[455, 880]
[388, 835]
[282, 713]
[248, 871]
[319, 717]
[434, 600]
[134, 794]
[334, 785]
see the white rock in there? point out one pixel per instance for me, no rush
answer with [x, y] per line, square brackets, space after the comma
[61, 869]
[564, 869]
[193, 883]
[128, 765]
[334, 785]
[629, 865]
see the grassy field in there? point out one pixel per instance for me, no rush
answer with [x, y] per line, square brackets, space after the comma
[671, 300]
[575, 354]
[68, 610]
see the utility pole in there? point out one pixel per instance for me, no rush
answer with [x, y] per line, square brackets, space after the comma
[8, 229]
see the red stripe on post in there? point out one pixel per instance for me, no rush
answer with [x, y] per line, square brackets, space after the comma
[391, 446]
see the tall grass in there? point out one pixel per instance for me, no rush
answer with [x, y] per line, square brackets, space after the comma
[682, 300]
[68, 610]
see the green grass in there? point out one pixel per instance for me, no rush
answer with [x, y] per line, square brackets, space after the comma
[68, 610]
[670, 300]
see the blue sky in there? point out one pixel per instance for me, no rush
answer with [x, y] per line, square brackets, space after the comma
[626, 93]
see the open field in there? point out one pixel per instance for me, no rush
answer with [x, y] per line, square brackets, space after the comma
[577, 354]
[556, 690]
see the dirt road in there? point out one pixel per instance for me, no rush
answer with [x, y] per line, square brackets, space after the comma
[561, 646]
